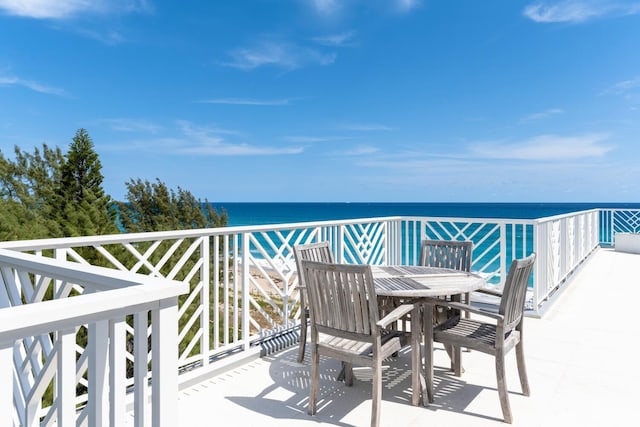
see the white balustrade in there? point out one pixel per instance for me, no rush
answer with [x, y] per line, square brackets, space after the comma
[107, 297]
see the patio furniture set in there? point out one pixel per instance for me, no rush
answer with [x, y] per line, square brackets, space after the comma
[362, 315]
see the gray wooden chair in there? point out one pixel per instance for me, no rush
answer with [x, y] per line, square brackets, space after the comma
[496, 338]
[455, 254]
[320, 252]
[345, 325]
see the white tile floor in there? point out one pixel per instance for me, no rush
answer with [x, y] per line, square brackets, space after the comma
[582, 370]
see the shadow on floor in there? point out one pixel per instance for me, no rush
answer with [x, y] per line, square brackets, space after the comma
[288, 395]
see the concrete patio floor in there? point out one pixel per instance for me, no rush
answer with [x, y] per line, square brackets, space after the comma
[581, 360]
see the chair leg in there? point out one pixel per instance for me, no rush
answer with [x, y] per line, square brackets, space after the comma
[303, 338]
[522, 368]
[457, 361]
[502, 388]
[315, 380]
[347, 369]
[376, 394]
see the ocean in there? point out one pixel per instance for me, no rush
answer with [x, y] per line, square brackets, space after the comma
[248, 213]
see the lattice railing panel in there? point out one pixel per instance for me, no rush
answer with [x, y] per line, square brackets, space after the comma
[626, 221]
[177, 259]
[35, 357]
[273, 277]
[364, 243]
[486, 238]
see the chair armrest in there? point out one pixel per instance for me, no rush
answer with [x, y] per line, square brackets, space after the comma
[489, 292]
[397, 313]
[464, 307]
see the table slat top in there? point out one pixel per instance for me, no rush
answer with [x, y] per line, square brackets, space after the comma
[418, 281]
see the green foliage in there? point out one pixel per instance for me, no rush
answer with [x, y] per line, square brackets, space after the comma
[85, 209]
[28, 198]
[154, 207]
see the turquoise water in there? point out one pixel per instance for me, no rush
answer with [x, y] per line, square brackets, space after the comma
[279, 213]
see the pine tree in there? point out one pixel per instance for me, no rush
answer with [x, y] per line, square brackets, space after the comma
[28, 194]
[85, 209]
[154, 207]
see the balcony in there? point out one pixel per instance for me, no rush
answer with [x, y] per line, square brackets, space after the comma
[112, 303]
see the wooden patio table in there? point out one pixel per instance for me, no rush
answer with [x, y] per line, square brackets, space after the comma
[419, 282]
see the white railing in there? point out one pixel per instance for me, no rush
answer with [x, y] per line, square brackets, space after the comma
[64, 332]
[562, 244]
[614, 221]
[242, 284]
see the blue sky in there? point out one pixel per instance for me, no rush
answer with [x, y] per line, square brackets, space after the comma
[328, 100]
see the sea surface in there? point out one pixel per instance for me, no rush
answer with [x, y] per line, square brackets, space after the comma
[283, 213]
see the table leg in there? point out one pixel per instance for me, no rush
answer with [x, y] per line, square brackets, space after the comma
[428, 351]
[417, 379]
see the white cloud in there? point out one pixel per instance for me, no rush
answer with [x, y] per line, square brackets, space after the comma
[326, 7]
[407, 5]
[338, 40]
[542, 115]
[333, 8]
[624, 87]
[545, 148]
[61, 9]
[314, 139]
[365, 127]
[198, 140]
[30, 84]
[132, 125]
[575, 11]
[280, 54]
[360, 150]
[109, 38]
[41, 9]
[245, 101]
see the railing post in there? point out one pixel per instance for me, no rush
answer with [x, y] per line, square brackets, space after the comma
[140, 369]
[539, 266]
[503, 253]
[340, 244]
[117, 372]
[613, 227]
[98, 347]
[245, 291]
[215, 287]
[6, 381]
[164, 323]
[205, 279]
[66, 378]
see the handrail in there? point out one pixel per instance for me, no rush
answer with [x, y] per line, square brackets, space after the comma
[39, 338]
[100, 277]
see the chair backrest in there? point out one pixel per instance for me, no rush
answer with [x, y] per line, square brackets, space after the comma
[342, 299]
[515, 291]
[320, 252]
[454, 254]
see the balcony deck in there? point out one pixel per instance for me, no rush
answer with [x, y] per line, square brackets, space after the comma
[580, 368]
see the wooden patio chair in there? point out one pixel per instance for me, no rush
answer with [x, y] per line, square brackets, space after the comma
[320, 252]
[454, 254]
[495, 339]
[345, 325]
